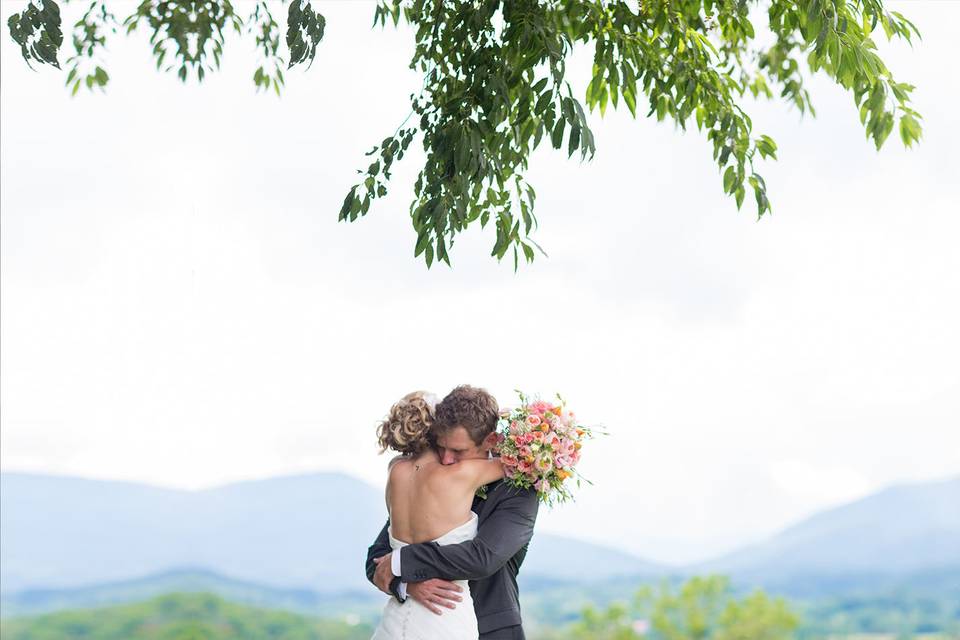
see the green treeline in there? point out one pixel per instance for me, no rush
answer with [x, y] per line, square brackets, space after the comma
[702, 608]
[180, 617]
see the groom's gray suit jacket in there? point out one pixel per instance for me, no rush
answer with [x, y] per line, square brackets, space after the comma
[490, 561]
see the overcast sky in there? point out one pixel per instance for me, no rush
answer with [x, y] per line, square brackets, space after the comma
[181, 307]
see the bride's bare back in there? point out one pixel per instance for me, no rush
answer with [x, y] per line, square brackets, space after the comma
[427, 499]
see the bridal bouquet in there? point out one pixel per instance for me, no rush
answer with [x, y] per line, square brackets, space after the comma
[539, 445]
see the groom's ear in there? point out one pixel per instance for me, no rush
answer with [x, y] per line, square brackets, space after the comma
[490, 441]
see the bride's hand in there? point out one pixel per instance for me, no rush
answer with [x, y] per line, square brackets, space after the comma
[435, 593]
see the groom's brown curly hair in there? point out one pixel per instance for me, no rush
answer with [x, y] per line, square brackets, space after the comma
[469, 407]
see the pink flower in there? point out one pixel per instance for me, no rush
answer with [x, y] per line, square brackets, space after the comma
[544, 464]
[539, 446]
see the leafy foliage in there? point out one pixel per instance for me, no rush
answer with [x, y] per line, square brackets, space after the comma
[700, 609]
[495, 85]
[37, 30]
[924, 606]
[270, 71]
[180, 616]
[192, 30]
[89, 38]
[901, 613]
[304, 31]
[496, 88]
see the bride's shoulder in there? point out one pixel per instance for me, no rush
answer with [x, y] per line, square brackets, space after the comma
[398, 461]
[474, 471]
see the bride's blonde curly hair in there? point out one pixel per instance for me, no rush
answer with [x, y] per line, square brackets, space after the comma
[407, 428]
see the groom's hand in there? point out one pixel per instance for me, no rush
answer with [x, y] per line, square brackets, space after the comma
[435, 593]
[383, 575]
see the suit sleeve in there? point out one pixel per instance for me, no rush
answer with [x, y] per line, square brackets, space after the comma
[381, 547]
[502, 535]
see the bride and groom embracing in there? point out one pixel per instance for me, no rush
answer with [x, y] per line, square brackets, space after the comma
[456, 534]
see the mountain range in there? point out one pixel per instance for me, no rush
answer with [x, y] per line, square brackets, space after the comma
[305, 537]
[307, 531]
[900, 530]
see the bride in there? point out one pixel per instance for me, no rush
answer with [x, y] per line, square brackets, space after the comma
[428, 501]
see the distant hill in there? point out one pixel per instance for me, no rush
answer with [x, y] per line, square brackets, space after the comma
[303, 539]
[298, 532]
[901, 531]
[298, 543]
[311, 530]
[181, 616]
[365, 604]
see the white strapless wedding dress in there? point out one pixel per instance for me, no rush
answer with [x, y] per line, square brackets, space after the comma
[413, 621]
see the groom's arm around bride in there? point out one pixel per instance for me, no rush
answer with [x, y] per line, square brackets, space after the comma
[490, 561]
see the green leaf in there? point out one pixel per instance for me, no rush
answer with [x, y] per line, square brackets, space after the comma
[729, 179]
[631, 99]
[423, 241]
[429, 255]
[574, 142]
[910, 130]
[556, 137]
[738, 195]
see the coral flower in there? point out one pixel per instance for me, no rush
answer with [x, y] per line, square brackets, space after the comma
[539, 444]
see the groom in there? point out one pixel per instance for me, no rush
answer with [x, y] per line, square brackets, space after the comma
[465, 420]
